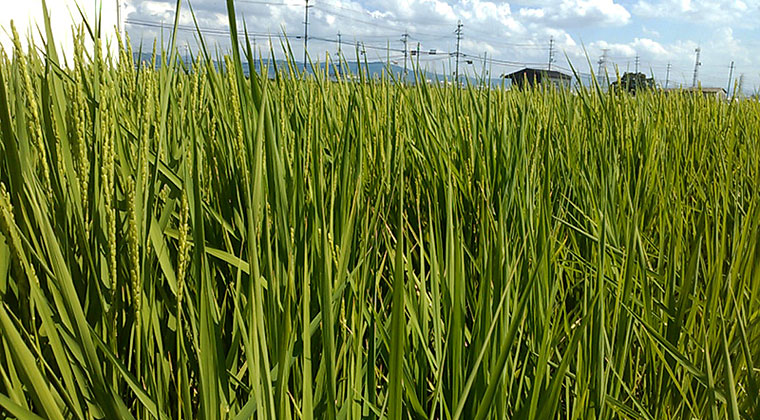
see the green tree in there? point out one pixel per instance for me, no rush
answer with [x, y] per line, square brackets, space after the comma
[633, 82]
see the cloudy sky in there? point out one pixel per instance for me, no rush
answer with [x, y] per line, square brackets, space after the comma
[28, 18]
[512, 33]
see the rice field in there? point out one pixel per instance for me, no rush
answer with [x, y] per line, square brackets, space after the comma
[194, 243]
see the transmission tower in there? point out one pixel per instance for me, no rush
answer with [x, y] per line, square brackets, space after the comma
[603, 61]
[551, 52]
[667, 75]
[697, 63]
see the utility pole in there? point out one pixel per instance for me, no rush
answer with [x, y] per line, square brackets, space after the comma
[667, 76]
[387, 59]
[340, 54]
[696, 68]
[366, 64]
[358, 59]
[339, 43]
[305, 31]
[730, 75]
[459, 38]
[551, 52]
[637, 63]
[405, 40]
[485, 67]
[418, 57]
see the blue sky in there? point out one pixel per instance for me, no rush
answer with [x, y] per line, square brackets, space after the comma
[512, 34]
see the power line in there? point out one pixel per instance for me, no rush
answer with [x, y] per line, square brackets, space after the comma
[340, 41]
[506, 62]
[434, 55]
[204, 31]
[393, 27]
[430, 55]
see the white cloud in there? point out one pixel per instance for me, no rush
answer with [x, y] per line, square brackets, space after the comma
[716, 56]
[705, 11]
[646, 49]
[156, 8]
[515, 33]
[570, 13]
[650, 32]
[28, 19]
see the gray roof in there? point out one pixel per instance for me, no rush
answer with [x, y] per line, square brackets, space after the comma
[550, 73]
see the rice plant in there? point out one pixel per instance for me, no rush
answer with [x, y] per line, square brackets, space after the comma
[194, 242]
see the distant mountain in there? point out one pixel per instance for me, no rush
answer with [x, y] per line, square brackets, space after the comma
[371, 70]
[378, 69]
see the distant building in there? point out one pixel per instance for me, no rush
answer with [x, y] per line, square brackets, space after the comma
[533, 77]
[708, 92]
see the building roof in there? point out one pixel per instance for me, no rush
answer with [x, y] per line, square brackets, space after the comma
[550, 73]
